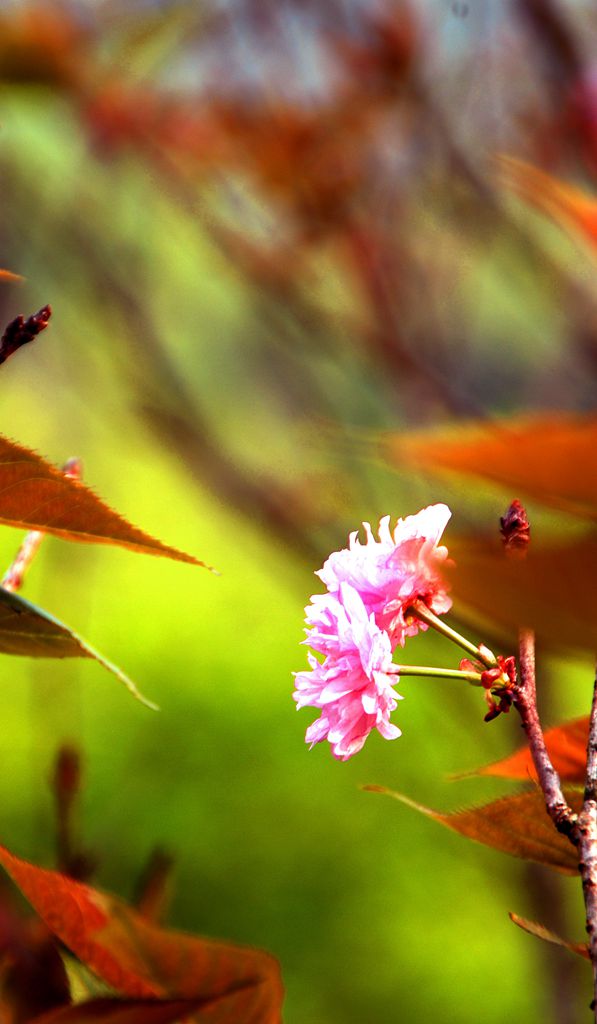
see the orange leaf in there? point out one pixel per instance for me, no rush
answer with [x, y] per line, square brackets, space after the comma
[140, 960]
[36, 496]
[533, 928]
[566, 205]
[548, 458]
[7, 275]
[517, 824]
[27, 630]
[567, 747]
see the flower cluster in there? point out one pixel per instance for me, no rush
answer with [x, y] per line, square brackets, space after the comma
[499, 683]
[363, 617]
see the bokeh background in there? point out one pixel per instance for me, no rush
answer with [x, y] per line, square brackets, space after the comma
[272, 231]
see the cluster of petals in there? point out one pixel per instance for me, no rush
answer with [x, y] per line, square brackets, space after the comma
[356, 625]
[353, 684]
[391, 573]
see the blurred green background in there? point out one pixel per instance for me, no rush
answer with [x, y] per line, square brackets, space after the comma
[250, 278]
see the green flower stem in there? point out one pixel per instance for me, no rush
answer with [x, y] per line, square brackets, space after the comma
[439, 673]
[482, 654]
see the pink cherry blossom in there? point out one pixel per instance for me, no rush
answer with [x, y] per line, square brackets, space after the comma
[353, 684]
[361, 619]
[404, 565]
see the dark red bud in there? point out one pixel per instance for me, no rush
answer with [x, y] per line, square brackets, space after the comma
[490, 677]
[508, 666]
[515, 530]
[493, 712]
[20, 331]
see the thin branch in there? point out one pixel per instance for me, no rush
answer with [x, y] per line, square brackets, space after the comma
[525, 701]
[591, 779]
[587, 843]
[515, 530]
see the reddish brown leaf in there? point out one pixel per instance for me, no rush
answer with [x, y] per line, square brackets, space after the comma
[567, 746]
[36, 496]
[517, 824]
[140, 960]
[8, 275]
[28, 630]
[533, 928]
[136, 1011]
[552, 590]
[547, 458]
